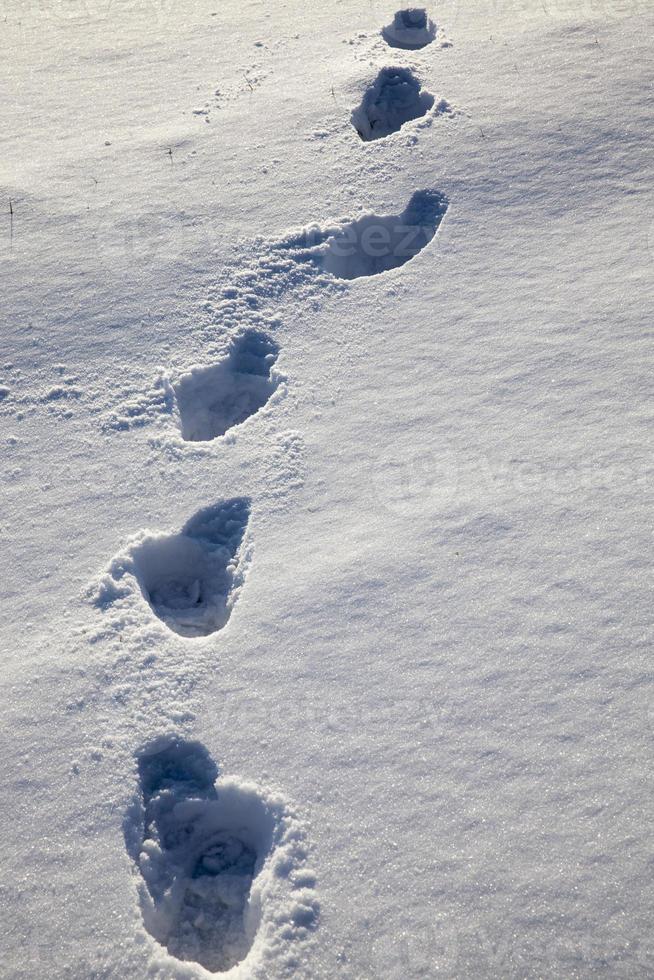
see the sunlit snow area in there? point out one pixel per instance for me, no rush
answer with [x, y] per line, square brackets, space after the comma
[326, 513]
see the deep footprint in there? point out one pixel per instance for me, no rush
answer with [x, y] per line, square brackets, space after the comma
[211, 400]
[199, 849]
[372, 244]
[392, 100]
[190, 579]
[411, 29]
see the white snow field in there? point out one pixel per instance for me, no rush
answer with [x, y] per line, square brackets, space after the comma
[326, 511]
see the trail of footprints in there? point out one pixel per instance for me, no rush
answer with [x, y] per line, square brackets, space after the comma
[206, 850]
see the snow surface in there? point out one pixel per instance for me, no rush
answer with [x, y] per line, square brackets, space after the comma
[420, 745]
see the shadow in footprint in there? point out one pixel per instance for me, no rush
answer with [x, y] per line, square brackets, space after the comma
[411, 29]
[392, 100]
[372, 244]
[211, 400]
[191, 579]
[198, 847]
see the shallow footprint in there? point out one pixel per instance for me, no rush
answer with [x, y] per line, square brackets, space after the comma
[392, 100]
[190, 579]
[411, 29]
[211, 400]
[199, 848]
[373, 243]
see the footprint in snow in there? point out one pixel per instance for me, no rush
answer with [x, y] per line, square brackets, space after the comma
[411, 29]
[371, 244]
[199, 847]
[190, 580]
[392, 100]
[211, 400]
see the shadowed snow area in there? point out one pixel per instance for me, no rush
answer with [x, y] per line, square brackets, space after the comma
[190, 579]
[411, 29]
[211, 400]
[372, 244]
[392, 100]
[198, 847]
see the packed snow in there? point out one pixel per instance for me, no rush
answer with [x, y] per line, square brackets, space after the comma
[325, 401]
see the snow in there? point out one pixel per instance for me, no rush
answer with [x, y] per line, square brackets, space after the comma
[419, 744]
